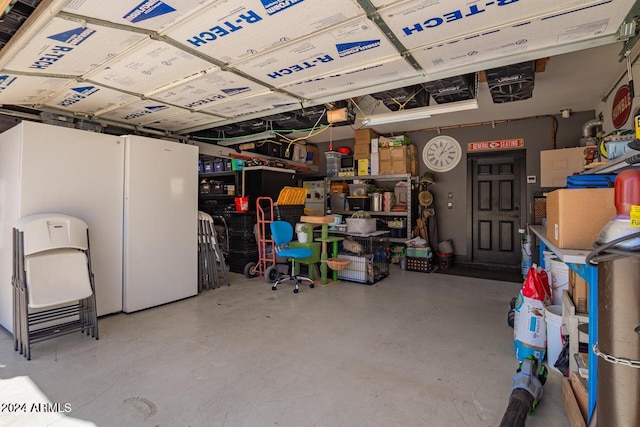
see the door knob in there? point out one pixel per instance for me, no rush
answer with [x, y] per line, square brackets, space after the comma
[516, 208]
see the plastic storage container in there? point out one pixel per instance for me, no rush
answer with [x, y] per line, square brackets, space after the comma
[333, 162]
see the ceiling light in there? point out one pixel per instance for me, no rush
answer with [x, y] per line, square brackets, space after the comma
[339, 115]
[419, 113]
[249, 138]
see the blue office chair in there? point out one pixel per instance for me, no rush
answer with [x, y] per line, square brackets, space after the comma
[282, 233]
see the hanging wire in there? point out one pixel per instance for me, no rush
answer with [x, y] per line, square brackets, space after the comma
[607, 252]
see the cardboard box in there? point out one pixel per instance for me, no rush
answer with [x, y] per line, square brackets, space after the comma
[364, 136]
[557, 165]
[579, 292]
[575, 217]
[400, 153]
[385, 154]
[389, 167]
[363, 167]
[361, 151]
[313, 155]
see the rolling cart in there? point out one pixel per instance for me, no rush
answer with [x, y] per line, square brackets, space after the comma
[267, 264]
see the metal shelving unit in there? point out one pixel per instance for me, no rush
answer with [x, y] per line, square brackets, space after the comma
[614, 165]
[410, 180]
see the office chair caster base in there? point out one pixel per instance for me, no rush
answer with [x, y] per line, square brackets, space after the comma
[296, 290]
[273, 288]
[312, 285]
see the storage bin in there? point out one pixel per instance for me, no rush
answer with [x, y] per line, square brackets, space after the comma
[358, 203]
[208, 167]
[240, 220]
[361, 225]
[422, 265]
[419, 252]
[358, 189]
[237, 260]
[445, 260]
[289, 213]
[218, 165]
[333, 162]
[217, 187]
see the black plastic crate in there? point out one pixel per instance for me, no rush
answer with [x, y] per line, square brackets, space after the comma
[422, 265]
[242, 242]
[240, 220]
[238, 260]
[290, 213]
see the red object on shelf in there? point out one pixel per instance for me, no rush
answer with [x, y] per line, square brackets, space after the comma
[627, 191]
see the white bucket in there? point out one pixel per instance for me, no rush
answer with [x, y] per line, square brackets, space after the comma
[301, 231]
[553, 317]
[559, 280]
[548, 256]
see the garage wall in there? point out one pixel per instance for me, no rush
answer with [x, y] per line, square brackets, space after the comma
[537, 134]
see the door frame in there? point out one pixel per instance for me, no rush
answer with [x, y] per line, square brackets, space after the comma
[519, 156]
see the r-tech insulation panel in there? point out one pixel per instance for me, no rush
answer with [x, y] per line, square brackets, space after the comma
[180, 66]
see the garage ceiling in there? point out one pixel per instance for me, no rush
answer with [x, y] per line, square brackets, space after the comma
[184, 67]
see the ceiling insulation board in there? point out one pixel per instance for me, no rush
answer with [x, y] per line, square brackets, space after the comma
[511, 40]
[260, 103]
[341, 48]
[154, 15]
[65, 47]
[381, 3]
[184, 121]
[232, 30]
[427, 22]
[149, 66]
[89, 98]
[28, 90]
[318, 51]
[212, 88]
[141, 112]
[358, 78]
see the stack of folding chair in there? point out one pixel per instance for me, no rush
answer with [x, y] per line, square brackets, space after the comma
[211, 264]
[53, 284]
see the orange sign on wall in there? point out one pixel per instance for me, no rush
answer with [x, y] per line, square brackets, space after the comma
[501, 144]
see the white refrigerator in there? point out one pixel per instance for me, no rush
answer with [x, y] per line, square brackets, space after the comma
[160, 222]
[101, 179]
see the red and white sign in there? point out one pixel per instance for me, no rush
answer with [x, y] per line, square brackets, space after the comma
[501, 144]
[621, 108]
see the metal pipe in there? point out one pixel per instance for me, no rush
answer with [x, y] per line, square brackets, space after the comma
[618, 322]
[590, 124]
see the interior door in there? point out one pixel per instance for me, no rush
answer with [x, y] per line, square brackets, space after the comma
[497, 201]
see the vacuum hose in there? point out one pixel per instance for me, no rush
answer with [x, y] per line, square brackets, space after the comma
[519, 407]
[526, 392]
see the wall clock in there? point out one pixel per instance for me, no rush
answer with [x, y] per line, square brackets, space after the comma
[442, 153]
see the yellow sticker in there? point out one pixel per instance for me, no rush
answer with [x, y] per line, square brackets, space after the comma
[635, 216]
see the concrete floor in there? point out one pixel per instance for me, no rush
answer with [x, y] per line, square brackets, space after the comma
[412, 350]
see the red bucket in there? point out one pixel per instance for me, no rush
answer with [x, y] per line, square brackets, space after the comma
[242, 204]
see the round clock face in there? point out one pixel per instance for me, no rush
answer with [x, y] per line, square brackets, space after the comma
[442, 153]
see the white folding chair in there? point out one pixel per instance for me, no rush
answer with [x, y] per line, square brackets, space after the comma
[53, 284]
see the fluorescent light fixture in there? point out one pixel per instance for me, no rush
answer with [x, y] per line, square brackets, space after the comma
[249, 138]
[419, 113]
